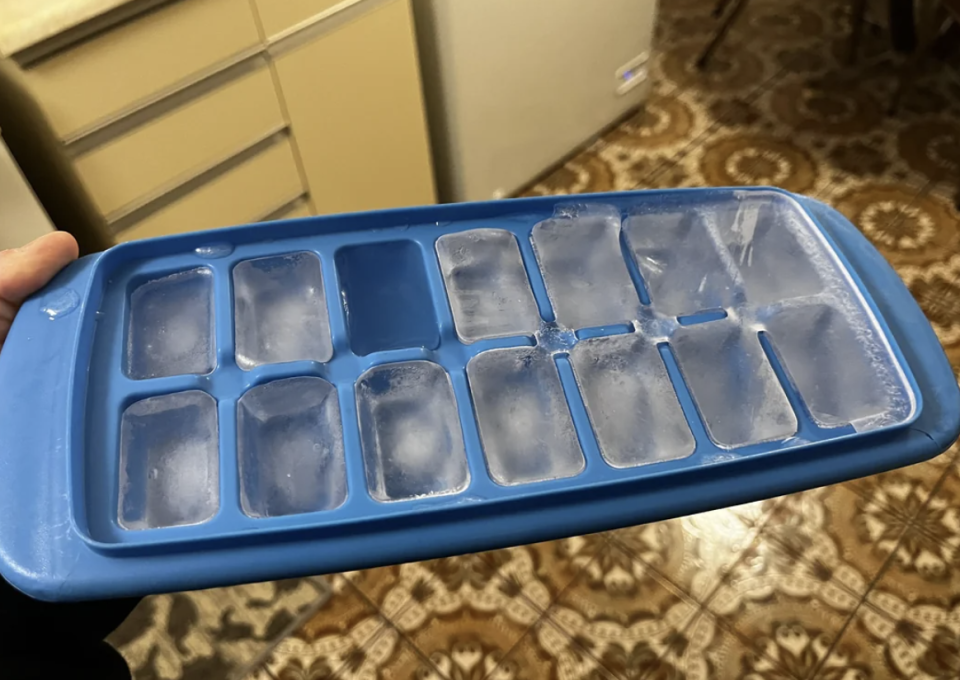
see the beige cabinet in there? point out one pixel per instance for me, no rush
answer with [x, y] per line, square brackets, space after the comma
[195, 114]
[354, 98]
[119, 69]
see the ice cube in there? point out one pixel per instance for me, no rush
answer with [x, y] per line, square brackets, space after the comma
[280, 311]
[290, 448]
[738, 393]
[584, 270]
[169, 471]
[524, 420]
[762, 235]
[487, 284]
[410, 432]
[632, 406]
[679, 261]
[830, 363]
[170, 331]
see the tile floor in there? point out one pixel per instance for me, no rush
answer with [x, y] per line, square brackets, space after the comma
[851, 582]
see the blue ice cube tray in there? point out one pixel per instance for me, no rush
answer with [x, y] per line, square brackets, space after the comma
[333, 393]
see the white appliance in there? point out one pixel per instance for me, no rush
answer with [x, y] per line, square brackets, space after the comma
[513, 86]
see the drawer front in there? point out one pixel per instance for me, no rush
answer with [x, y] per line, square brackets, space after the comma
[241, 195]
[88, 84]
[182, 142]
[300, 209]
[354, 99]
[279, 16]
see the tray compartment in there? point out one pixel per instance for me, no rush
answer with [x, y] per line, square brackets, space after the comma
[629, 397]
[487, 285]
[280, 312]
[169, 471]
[386, 295]
[680, 262]
[777, 256]
[170, 326]
[523, 417]
[290, 448]
[410, 432]
[736, 389]
[837, 369]
[583, 268]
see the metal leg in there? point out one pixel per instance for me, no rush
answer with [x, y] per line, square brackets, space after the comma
[720, 6]
[856, 30]
[928, 29]
[721, 32]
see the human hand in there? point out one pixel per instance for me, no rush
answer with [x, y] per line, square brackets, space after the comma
[24, 271]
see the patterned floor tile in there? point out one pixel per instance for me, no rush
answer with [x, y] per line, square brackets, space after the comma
[468, 643]
[835, 534]
[210, 633]
[546, 652]
[922, 582]
[551, 564]
[781, 601]
[336, 635]
[467, 585]
[903, 492]
[619, 602]
[707, 650]
[875, 646]
[695, 552]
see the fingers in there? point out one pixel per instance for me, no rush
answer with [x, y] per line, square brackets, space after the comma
[24, 271]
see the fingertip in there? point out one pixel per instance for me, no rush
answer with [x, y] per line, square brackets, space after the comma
[59, 245]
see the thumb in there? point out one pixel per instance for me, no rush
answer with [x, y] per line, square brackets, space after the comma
[24, 271]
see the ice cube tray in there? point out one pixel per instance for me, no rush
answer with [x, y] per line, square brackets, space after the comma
[340, 392]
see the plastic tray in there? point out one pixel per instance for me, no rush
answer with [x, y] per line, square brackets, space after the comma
[340, 392]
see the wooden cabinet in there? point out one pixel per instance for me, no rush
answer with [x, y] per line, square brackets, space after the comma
[181, 143]
[250, 191]
[194, 114]
[116, 70]
[354, 98]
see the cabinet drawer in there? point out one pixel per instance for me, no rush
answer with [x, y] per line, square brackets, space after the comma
[134, 63]
[240, 195]
[182, 142]
[279, 16]
[354, 99]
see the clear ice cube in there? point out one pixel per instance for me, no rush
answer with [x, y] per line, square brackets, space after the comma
[830, 364]
[584, 270]
[487, 285]
[630, 399]
[169, 470]
[290, 448]
[761, 234]
[679, 261]
[280, 311]
[410, 432]
[734, 385]
[170, 330]
[524, 420]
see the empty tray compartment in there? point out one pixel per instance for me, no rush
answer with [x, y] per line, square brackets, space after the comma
[386, 295]
[631, 402]
[280, 312]
[584, 269]
[410, 432]
[487, 285]
[170, 326]
[169, 469]
[525, 424]
[290, 448]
